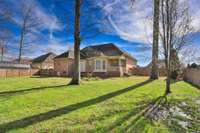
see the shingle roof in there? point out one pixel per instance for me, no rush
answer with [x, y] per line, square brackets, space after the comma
[105, 49]
[97, 50]
[68, 54]
[42, 57]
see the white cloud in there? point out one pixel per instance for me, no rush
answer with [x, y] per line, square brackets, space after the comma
[133, 22]
[47, 20]
[190, 54]
[130, 21]
[57, 46]
[195, 12]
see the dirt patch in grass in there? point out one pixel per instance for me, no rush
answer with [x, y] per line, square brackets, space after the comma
[179, 116]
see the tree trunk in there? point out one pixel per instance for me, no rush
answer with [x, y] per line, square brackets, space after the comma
[20, 53]
[21, 42]
[76, 73]
[2, 54]
[168, 82]
[154, 69]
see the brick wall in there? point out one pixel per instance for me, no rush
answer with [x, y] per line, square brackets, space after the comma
[63, 67]
[145, 71]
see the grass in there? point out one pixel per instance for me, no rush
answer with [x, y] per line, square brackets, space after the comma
[111, 105]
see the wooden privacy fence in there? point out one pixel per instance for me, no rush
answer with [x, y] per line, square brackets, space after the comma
[145, 71]
[16, 72]
[192, 75]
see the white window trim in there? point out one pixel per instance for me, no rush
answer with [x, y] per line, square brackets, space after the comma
[84, 62]
[100, 70]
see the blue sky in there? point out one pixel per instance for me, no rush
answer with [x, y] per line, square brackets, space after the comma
[126, 25]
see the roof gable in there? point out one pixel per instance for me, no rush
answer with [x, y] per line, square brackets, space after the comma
[105, 49]
[97, 50]
[42, 58]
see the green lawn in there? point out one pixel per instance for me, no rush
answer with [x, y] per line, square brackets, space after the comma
[111, 105]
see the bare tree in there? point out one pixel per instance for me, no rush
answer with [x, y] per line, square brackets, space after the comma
[5, 32]
[190, 55]
[174, 31]
[4, 38]
[3, 43]
[154, 69]
[28, 23]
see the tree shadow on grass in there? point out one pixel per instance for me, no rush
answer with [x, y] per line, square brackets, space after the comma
[38, 77]
[193, 85]
[65, 110]
[173, 81]
[129, 121]
[138, 124]
[9, 93]
[110, 112]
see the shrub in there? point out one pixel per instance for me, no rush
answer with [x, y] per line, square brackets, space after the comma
[174, 74]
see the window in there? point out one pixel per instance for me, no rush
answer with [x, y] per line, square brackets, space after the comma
[82, 66]
[100, 65]
[114, 62]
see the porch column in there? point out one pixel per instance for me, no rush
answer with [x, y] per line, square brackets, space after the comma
[120, 66]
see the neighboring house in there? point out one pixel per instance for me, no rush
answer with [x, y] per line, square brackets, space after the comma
[106, 60]
[145, 71]
[194, 65]
[99, 60]
[44, 61]
[161, 64]
[63, 64]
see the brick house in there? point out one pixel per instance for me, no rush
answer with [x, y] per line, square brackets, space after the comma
[63, 64]
[99, 60]
[146, 71]
[45, 61]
